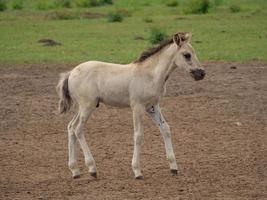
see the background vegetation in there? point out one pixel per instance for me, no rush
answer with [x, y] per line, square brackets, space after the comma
[119, 30]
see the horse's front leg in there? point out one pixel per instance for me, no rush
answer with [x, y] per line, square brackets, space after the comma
[157, 117]
[138, 112]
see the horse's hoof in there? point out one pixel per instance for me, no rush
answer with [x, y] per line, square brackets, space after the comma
[174, 172]
[139, 178]
[93, 174]
[77, 176]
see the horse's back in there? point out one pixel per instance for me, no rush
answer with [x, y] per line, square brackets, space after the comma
[106, 81]
[100, 66]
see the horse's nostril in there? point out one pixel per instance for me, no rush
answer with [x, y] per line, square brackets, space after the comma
[194, 72]
[198, 74]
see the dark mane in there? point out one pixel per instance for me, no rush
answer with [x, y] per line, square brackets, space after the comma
[146, 54]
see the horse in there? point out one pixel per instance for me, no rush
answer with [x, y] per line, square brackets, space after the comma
[139, 85]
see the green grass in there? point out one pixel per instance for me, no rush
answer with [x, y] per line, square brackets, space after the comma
[219, 35]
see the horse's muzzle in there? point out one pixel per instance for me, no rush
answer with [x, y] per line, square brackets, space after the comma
[198, 74]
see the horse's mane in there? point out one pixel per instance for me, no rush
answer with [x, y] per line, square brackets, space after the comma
[153, 50]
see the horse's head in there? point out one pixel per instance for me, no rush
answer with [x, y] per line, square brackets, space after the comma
[186, 57]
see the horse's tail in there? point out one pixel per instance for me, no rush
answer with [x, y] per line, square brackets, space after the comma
[65, 101]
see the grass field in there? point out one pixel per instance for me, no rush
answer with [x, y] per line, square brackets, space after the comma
[219, 35]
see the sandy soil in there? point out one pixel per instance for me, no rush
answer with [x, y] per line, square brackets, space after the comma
[219, 131]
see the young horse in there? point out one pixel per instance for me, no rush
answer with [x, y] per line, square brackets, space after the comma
[139, 85]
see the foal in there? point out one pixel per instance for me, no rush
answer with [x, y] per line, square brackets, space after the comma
[139, 85]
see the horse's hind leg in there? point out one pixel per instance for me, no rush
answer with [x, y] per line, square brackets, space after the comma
[84, 114]
[72, 147]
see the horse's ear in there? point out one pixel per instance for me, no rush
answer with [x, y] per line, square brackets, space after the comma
[177, 39]
[186, 37]
[180, 38]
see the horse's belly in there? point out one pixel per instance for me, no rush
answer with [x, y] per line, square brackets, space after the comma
[116, 102]
[121, 104]
[117, 99]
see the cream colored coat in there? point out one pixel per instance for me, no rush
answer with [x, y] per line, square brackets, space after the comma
[139, 85]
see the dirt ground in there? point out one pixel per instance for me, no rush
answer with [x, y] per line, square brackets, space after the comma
[219, 132]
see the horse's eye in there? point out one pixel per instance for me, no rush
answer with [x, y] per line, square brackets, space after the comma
[187, 56]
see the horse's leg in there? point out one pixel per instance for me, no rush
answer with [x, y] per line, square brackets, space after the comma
[158, 118]
[85, 113]
[72, 147]
[138, 112]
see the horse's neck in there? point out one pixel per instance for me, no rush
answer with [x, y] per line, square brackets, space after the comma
[160, 66]
[163, 64]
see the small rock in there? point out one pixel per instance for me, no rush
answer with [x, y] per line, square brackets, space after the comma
[238, 123]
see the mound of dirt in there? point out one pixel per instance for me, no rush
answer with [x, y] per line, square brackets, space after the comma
[49, 42]
[90, 15]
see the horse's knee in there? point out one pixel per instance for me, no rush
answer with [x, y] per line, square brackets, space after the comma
[80, 128]
[78, 132]
[166, 129]
[139, 138]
